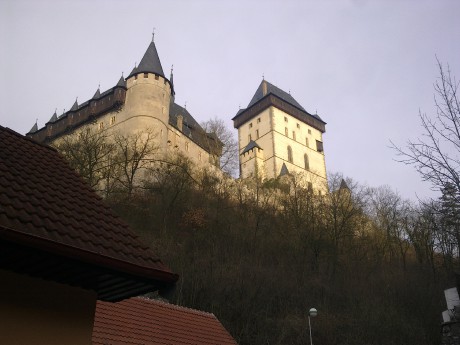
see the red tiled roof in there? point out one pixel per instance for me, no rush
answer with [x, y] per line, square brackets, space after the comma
[151, 322]
[45, 205]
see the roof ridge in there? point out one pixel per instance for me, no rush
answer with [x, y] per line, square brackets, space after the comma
[29, 139]
[175, 306]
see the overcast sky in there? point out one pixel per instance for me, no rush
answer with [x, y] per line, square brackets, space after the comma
[366, 67]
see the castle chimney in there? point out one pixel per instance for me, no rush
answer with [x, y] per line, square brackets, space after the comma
[264, 87]
[180, 121]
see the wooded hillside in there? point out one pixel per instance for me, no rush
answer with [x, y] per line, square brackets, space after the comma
[260, 255]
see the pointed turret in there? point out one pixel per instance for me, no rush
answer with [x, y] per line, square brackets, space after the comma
[54, 117]
[74, 106]
[121, 82]
[34, 128]
[284, 170]
[343, 185]
[97, 94]
[150, 63]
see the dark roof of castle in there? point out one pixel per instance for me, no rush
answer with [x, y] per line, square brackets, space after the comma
[34, 128]
[270, 88]
[252, 144]
[190, 127]
[74, 106]
[284, 170]
[53, 118]
[121, 81]
[152, 322]
[343, 185]
[60, 228]
[265, 89]
[150, 63]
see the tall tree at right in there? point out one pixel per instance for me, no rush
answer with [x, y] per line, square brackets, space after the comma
[436, 154]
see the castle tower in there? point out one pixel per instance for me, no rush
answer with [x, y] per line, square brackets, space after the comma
[148, 96]
[284, 135]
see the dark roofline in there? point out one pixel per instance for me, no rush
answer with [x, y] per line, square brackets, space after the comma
[86, 256]
[271, 99]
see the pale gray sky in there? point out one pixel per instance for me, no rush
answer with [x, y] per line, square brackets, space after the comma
[366, 67]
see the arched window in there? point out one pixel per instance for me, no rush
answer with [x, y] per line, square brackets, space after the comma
[306, 161]
[289, 149]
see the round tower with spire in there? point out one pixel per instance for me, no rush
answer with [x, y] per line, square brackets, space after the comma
[148, 94]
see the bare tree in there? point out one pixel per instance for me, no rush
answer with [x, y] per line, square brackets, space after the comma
[436, 155]
[135, 151]
[215, 128]
[88, 152]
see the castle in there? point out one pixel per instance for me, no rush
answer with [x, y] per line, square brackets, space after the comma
[276, 135]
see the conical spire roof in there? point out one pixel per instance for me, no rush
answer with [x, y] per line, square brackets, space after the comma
[97, 94]
[121, 81]
[74, 106]
[33, 129]
[343, 185]
[284, 170]
[150, 63]
[54, 117]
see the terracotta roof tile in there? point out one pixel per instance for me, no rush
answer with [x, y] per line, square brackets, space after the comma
[43, 199]
[151, 322]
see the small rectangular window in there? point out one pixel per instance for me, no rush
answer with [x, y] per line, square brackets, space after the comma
[257, 133]
[319, 146]
[249, 138]
[309, 131]
[157, 77]
[298, 126]
[101, 125]
[285, 119]
[112, 120]
[286, 132]
[135, 77]
[146, 75]
[250, 125]
[306, 142]
[258, 120]
[293, 135]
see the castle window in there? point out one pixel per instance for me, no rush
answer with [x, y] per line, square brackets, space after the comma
[298, 126]
[186, 146]
[258, 120]
[157, 77]
[310, 186]
[306, 162]
[293, 135]
[112, 120]
[135, 77]
[289, 151]
[309, 131]
[146, 75]
[199, 156]
[250, 125]
[319, 146]
[286, 132]
[285, 119]
[306, 142]
[257, 133]
[101, 125]
[249, 138]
